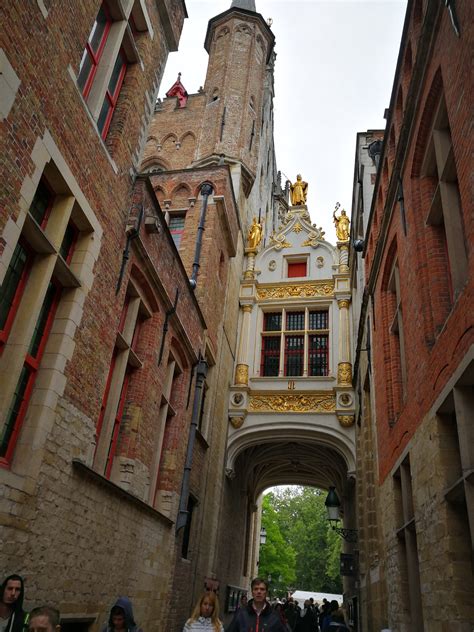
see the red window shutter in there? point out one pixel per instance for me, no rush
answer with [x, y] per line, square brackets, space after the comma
[297, 269]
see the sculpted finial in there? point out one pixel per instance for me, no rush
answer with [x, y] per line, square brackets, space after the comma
[299, 191]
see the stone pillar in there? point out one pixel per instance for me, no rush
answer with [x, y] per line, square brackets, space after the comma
[344, 368]
[242, 368]
[249, 273]
[343, 247]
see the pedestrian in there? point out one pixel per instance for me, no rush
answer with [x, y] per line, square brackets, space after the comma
[291, 613]
[333, 606]
[258, 615]
[205, 616]
[305, 620]
[121, 617]
[338, 621]
[44, 619]
[12, 616]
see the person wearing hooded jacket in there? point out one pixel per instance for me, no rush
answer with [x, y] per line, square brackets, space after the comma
[12, 616]
[258, 616]
[121, 617]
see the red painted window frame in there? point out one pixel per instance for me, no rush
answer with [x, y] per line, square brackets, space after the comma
[179, 231]
[266, 353]
[73, 245]
[96, 55]
[113, 98]
[5, 332]
[323, 352]
[297, 269]
[33, 364]
[52, 197]
[117, 423]
[297, 352]
[100, 421]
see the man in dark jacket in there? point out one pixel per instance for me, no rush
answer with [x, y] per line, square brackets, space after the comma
[12, 616]
[258, 616]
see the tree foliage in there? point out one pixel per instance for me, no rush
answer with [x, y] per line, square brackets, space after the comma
[301, 547]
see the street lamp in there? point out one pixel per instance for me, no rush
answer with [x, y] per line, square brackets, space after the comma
[333, 507]
[263, 535]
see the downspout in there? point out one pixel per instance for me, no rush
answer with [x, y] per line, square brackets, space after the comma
[183, 502]
[206, 191]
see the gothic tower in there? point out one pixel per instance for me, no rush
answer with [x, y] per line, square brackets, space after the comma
[240, 45]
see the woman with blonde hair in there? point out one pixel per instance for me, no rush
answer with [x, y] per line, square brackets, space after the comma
[205, 616]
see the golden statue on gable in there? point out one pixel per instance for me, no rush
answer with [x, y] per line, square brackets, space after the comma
[342, 224]
[299, 191]
[254, 234]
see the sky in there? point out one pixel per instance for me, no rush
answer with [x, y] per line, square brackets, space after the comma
[333, 78]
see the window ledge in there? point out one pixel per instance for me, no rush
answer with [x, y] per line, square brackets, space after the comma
[410, 526]
[456, 493]
[115, 490]
[202, 439]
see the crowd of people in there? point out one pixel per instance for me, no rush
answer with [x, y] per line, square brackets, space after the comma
[255, 615]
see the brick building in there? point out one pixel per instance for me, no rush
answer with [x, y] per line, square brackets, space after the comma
[119, 300]
[414, 354]
[101, 332]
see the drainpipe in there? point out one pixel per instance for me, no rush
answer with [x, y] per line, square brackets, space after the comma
[183, 502]
[206, 191]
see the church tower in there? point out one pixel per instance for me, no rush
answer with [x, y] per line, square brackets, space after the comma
[240, 45]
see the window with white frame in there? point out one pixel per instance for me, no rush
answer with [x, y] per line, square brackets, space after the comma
[295, 343]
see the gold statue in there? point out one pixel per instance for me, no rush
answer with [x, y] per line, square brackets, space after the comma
[255, 234]
[299, 191]
[342, 224]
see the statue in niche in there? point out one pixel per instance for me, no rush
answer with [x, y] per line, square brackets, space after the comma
[255, 234]
[342, 224]
[299, 191]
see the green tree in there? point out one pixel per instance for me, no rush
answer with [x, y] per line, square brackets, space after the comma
[277, 557]
[295, 519]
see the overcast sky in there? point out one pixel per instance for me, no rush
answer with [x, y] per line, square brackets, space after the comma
[333, 78]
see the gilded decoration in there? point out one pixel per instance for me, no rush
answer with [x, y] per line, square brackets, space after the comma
[301, 212]
[247, 308]
[343, 303]
[308, 290]
[299, 191]
[341, 223]
[344, 373]
[346, 421]
[314, 237]
[254, 235]
[279, 242]
[293, 403]
[242, 374]
[249, 275]
[297, 228]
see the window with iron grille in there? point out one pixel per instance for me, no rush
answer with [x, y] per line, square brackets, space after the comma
[270, 365]
[305, 353]
[294, 355]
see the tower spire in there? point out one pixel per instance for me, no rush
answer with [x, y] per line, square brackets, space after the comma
[249, 5]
